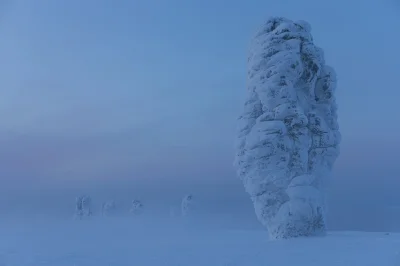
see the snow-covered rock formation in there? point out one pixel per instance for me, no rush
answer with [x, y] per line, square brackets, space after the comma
[187, 205]
[288, 138]
[136, 207]
[83, 207]
[109, 208]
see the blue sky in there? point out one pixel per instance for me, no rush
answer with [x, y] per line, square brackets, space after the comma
[151, 89]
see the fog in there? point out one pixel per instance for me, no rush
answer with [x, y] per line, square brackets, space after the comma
[362, 197]
[118, 104]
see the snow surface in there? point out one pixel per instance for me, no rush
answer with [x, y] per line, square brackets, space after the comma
[176, 242]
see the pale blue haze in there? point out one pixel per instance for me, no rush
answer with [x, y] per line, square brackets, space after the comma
[149, 90]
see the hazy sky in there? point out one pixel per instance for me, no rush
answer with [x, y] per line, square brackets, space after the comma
[152, 89]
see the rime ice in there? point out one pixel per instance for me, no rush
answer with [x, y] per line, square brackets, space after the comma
[288, 138]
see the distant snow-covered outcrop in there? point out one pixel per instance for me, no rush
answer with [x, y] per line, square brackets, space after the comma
[187, 205]
[136, 207]
[109, 208]
[83, 207]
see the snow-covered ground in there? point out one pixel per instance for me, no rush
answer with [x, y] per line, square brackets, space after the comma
[174, 242]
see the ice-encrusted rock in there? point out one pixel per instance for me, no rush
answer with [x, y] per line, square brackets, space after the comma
[187, 205]
[136, 207]
[288, 137]
[83, 207]
[109, 208]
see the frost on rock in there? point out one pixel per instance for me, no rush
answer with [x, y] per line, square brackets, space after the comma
[109, 208]
[83, 207]
[187, 205]
[288, 137]
[136, 207]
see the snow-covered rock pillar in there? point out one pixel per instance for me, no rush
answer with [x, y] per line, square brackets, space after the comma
[288, 138]
[137, 207]
[187, 205]
[83, 207]
[109, 208]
